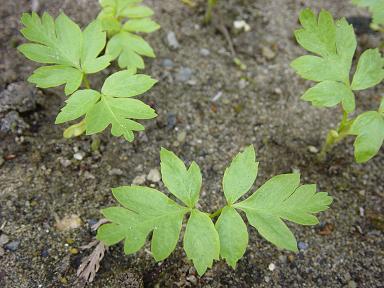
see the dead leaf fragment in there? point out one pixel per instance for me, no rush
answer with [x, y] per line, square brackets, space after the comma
[68, 223]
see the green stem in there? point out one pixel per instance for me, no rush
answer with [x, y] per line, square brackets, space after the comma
[86, 81]
[217, 213]
[335, 136]
[208, 13]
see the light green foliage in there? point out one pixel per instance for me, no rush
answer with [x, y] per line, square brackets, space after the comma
[233, 235]
[280, 198]
[369, 128]
[124, 44]
[370, 70]
[112, 106]
[335, 45]
[75, 53]
[240, 175]
[61, 42]
[184, 184]
[376, 7]
[201, 241]
[145, 210]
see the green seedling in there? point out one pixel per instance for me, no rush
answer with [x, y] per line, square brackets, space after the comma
[376, 8]
[72, 54]
[208, 13]
[123, 19]
[145, 210]
[334, 43]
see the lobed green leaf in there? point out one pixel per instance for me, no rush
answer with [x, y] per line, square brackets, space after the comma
[240, 175]
[233, 235]
[184, 184]
[329, 94]
[61, 42]
[201, 241]
[369, 129]
[282, 198]
[370, 70]
[146, 210]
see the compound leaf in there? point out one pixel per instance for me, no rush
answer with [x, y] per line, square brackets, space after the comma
[335, 43]
[233, 235]
[201, 241]
[124, 44]
[282, 198]
[329, 94]
[369, 128]
[145, 210]
[62, 42]
[117, 111]
[113, 106]
[184, 184]
[240, 175]
[370, 70]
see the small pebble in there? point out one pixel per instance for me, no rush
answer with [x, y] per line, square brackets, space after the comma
[184, 74]
[4, 239]
[12, 246]
[44, 253]
[271, 267]
[302, 245]
[92, 222]
[154, 175]
[65, 162]
[283, 259]
[268, 53]
[313, 149]
[171, 121]
[181, 136]
[241, 25]
[192, 279]
[79, 156]
[172, 41]
[89, 175]
[139, 180]
[352, 284]
[204, 52]
[115, 171]
[167, 63]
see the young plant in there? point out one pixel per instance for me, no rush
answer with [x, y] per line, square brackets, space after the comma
[147, 210]
[124, 44]
[335, 45]
[376, 8]
[72, 55]
[208, 13]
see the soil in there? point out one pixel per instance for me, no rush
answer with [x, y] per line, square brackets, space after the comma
[41, 181]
